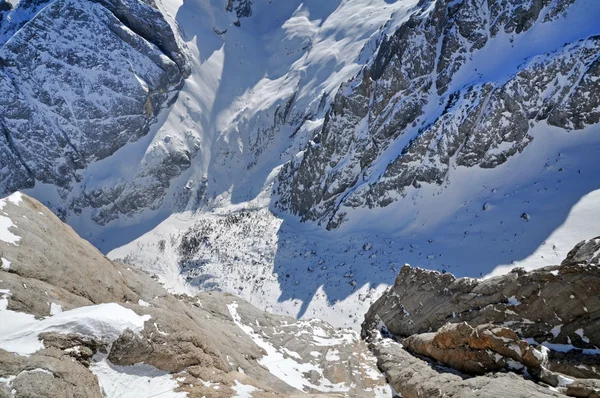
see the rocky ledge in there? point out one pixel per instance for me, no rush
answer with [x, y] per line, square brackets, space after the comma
[524, 334]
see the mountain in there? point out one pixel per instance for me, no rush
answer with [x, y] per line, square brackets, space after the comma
[75, 324]
[298, 153]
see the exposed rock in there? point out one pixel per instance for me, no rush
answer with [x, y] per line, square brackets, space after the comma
[557, 305]
[479, 350]
[173, 347]
[584, 389]
[409, 117]
[243, 8]
[209, 340]
[585, 252]
[520, 322]
[92, 102]
[47, 374]
[414, 377]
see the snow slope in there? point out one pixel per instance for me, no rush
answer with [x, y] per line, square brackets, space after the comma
[228, 237]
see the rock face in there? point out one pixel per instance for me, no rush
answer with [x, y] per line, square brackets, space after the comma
[205, 345]
[78, 81]
[558, 305]
[242, 8]
[414, 377]
[545, 321]
[426, 104]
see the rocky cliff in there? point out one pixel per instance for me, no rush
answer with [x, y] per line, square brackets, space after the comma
[78, 81]
[77, 324]
[459, 84]
[543, 324]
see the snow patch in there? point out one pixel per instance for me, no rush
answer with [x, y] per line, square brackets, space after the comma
[243, 390]
[284, 367]
[19, 331]
[135, 381]
[55, 309]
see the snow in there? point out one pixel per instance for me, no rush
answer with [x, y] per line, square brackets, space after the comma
[5, 264]
[513, 301]
[6, 223]
[243, 390]
[15, 199]
[19, 331]
[5, 234]
[55, 309]
[579, 332]
[135, 381]
[512, 50]
[564, 381]
[305, 50]
[283, 367]
[143, 303]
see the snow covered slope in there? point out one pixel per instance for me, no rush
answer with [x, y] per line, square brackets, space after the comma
[454, 135]
[424, 157]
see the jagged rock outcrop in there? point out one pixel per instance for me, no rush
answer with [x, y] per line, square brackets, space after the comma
[426, 105]
[544, 321]
[558, 305]
[414, 377]
[242, 8]
[78, 81]
[85, 320]
[478, 350]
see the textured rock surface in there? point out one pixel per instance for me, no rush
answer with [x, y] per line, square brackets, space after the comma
[584, 389]
[479, 350]
[414, 377]
[78, 81]
[543, 324]
[550, 304]
[49, 373]
[208, 340]
[410, 118]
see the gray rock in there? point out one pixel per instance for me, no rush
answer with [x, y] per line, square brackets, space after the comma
[549, 305]
[91, 102]
[475, 327]
[476, 124]
[47, 374]
[414, 377]
[584, 389]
